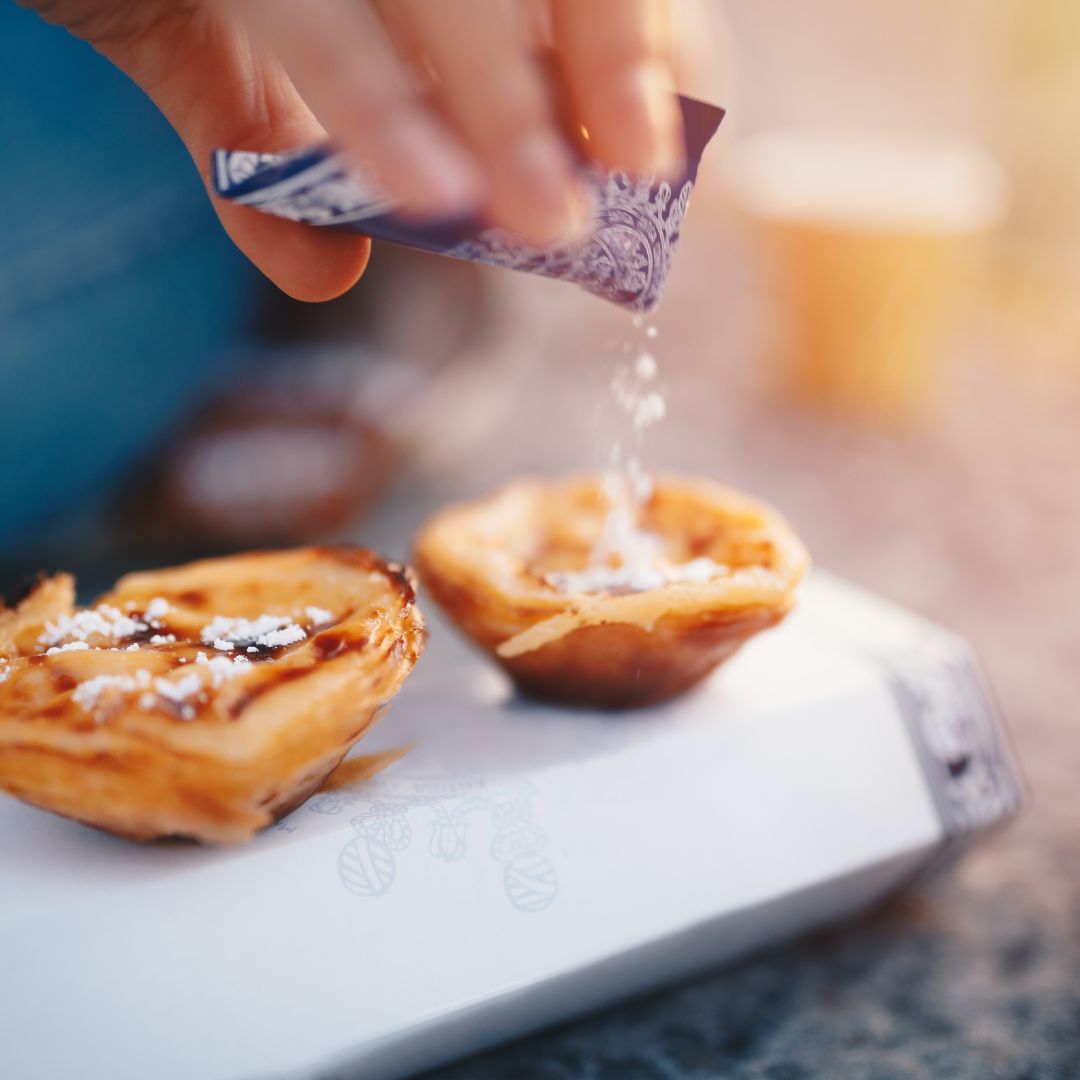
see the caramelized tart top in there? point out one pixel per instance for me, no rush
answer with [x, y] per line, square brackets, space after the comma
[190, 654]
[527, 547]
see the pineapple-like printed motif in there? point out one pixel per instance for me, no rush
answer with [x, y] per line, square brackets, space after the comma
[452, 811]
[626, 255]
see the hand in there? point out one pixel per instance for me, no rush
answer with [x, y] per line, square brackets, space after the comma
[444, 101]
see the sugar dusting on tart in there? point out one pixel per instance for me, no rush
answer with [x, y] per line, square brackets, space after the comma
[634, 576]
[627, 557]
[616, 590]
[519, 573]
[106, 628]
[205, 700]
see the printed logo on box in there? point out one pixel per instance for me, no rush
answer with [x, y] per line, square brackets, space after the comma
[448, 813]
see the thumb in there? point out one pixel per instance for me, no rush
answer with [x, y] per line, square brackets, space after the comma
[219, 87]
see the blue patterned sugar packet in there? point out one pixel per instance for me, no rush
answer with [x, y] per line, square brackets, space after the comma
[624, 258]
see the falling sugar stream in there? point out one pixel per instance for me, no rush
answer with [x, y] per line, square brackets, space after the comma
[627, 557]
[627, 483]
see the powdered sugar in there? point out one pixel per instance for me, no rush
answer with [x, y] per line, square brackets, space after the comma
[158, 608]
[5, 671]
[180, 690]
[702, 569]
[640, 405]
[287, 635]
[645, 365]
[627, 557]
[225, 633]
[100, 622]
[105, 624]
[88, 694]
[623, 543]
[606, 579]
[70, 646]
[178, 694]
[223, 668]
[644, 406]
[638, 576]
[267, 631]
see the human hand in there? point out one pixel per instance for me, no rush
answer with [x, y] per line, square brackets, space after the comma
[443, 101]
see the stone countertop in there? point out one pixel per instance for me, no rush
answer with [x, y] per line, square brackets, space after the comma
[973, 520]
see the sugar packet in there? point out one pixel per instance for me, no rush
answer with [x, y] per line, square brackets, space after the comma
[625, 256]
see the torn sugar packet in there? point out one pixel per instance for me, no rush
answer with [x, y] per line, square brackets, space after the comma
[625, 257]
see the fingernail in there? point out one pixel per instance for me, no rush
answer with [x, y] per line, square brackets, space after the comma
[651, 86]
[543, 173]
[582, 205]
[442, 181]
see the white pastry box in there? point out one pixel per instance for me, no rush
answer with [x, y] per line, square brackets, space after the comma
[521, 865]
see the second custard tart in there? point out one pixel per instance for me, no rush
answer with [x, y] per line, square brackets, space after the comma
[516, 573]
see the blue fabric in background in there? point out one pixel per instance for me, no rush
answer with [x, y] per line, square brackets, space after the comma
[119, 291]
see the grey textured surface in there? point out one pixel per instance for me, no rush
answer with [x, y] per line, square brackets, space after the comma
[973, 520]
[913, 992]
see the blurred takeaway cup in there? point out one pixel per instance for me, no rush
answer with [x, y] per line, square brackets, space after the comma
[868, 243]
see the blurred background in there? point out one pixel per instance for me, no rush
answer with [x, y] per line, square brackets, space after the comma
[873, 321]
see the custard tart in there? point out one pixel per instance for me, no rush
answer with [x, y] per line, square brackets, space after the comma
[528, 575]
[204, 701]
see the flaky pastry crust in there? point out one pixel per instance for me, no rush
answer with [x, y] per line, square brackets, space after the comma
[204, 701]
[488, 565]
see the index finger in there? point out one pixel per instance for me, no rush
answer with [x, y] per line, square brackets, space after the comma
[342, 63]
[618, 68]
